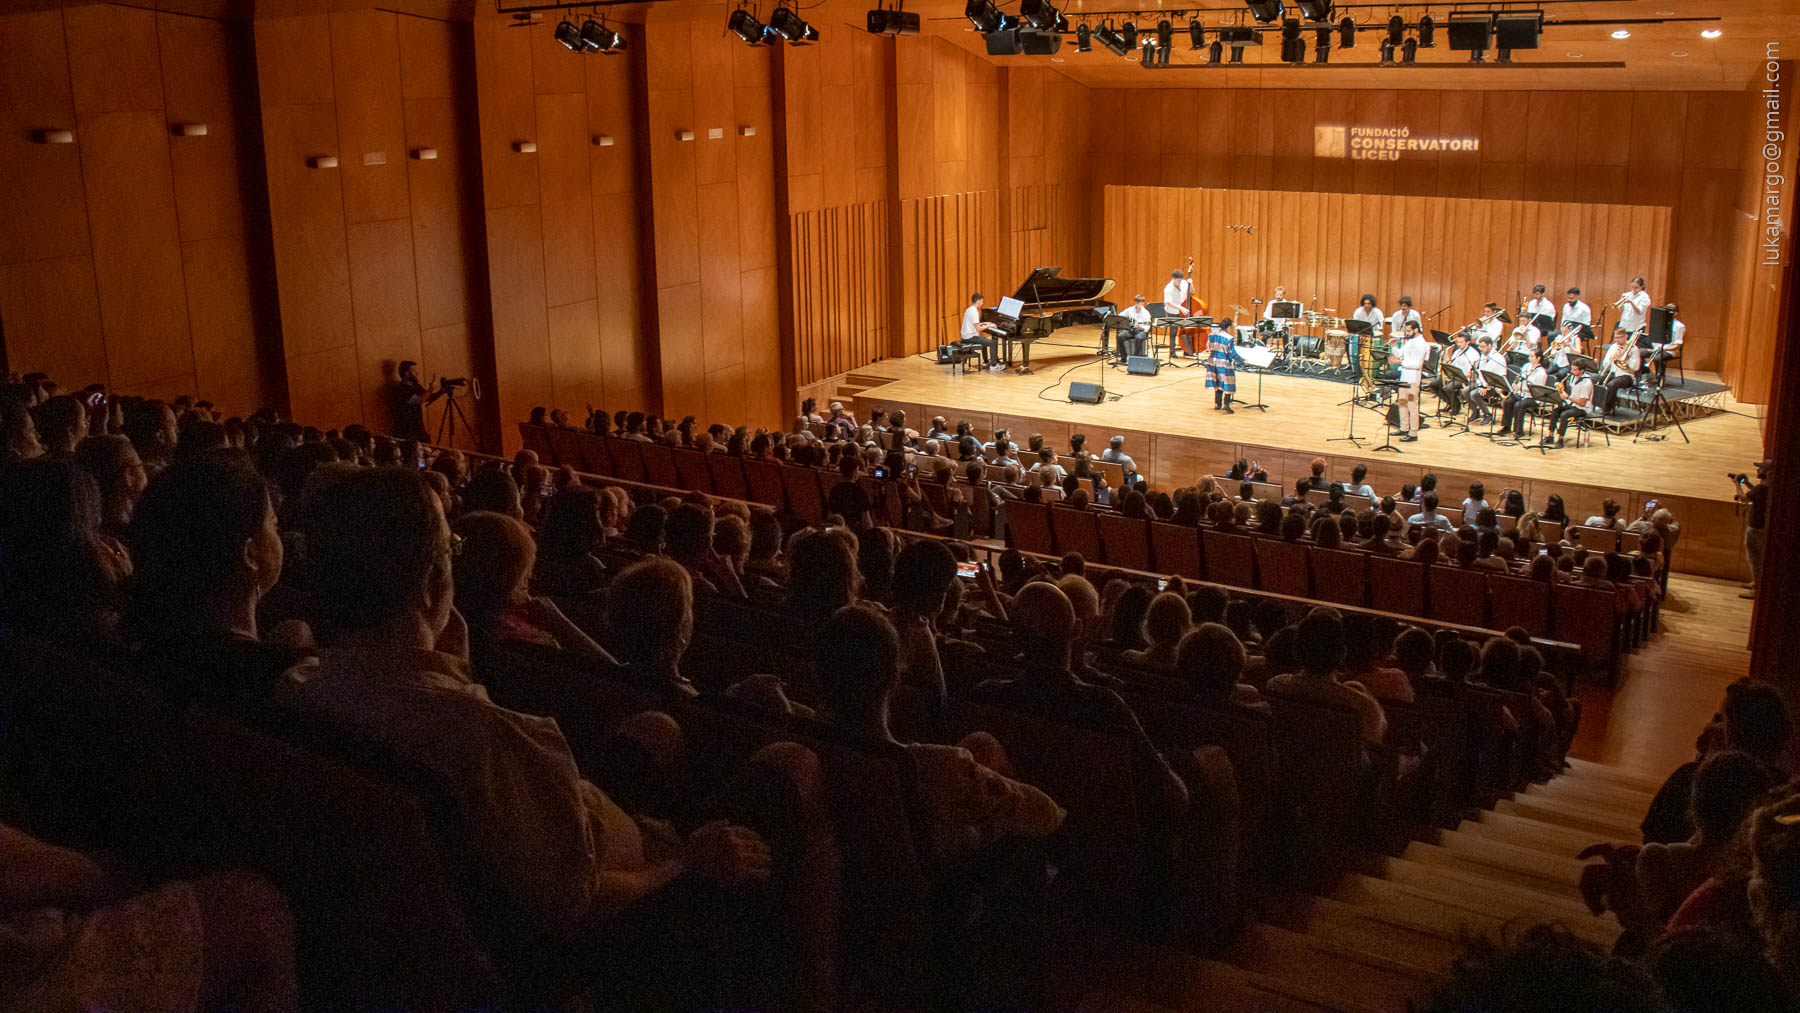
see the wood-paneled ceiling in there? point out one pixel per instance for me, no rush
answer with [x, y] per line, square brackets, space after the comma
[1666, 56]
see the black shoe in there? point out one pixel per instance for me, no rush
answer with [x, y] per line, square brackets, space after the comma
[1228, 410]
[1409, 439]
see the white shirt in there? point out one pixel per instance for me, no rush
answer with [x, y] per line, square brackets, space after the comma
[971, 325]
[1175, 296]
[1677, 331]
[1577, 311]
[1581, 392]
[1541, 305]
[1538, 375]
[1397, 323]
[1492, 329]
[1465, 359]
[1625, 356]
[1269, 307]
[1139, 314]
[1492, 362]
[1413, 353]
[1631, 315]
[1370, 315]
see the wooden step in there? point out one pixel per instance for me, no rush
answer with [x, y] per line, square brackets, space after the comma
[1604, 827]
[1526, 832]
[1164, 977]
[1507, 900]
[1343, 971]
[1598, 792]
[1607, 772]
[1504, 862]
[1464, 907]
[1338, 922]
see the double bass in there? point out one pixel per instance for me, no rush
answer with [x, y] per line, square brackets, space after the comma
[1190, 337]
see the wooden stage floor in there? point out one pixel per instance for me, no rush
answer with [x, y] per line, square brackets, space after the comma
[1176, 436]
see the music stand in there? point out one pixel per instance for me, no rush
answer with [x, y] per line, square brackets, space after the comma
[1452, 374]
[1587, 364]
[1389, 443]
[1121, 325]
[1260, 370]
[1366, 332]
[1504, 317]
[1499, 383]
[1552, 396]
[1544, 322]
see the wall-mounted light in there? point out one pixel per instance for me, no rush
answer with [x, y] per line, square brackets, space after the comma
[425, 154]
[374, 158]
[54, 136]
[525, 147]
[684, 135]
[715, 133]
[322, 162]
[603, 141]
[190, 130]
[746, 131]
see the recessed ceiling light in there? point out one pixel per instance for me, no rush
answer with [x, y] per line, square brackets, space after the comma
[1679, 52]
[1711, 33]
[1621, 33]
[1574, 56]
[1664, 14]
[1058, 59]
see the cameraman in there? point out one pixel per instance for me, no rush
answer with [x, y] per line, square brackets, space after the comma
[1755, 535]
[410, 398]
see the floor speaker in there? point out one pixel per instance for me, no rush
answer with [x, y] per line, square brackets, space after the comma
[1142, 365]
[1086, 393]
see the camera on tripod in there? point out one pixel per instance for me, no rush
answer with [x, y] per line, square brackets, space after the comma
[453, 382]
[1738, 477]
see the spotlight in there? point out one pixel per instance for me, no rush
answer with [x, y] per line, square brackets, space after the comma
[1387, 52]
[1266, 11]
[601, 38]
[1409, 52]
[1114, 43]
[744, 25]
[1062, 24]
[1322, 44]
[983, 15]
[1147, 53]
[1039, 14]
[1197, 33]
[1083, 38]
[1347, 33]
[569, 36]
[1215, 53]
[1314, 10]
[1621, 33]
[1237, 54]
[1518, 31]
[1293, 48]
[1427, 32]
[1129, 34]
[787, 25]
[893, 22]
[1396, 29]
[1165, 34]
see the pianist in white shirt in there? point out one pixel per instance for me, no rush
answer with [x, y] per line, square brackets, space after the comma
[1660, 354]
[975, 330]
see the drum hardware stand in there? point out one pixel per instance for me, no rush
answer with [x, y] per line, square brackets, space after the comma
[1505, 388]
[1659, 405]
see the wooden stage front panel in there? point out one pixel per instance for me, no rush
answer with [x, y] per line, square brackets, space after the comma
[1172, 431]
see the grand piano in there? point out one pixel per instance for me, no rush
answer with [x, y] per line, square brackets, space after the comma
[1049, 301]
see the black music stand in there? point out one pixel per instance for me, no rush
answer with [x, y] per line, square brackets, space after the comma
[1120, 325]
[1454, 375]
[1388, 444]
[1350, 436]
[1259, 405]
[1553, 397]
[1499, 383]
[1366, 331]
[1286, 309]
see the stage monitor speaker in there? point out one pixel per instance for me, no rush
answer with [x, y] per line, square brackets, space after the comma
[1086, 393]
[1142, 365]
[1661, 325]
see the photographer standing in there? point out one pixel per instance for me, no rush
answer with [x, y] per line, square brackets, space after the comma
[410, 398]
[1755, 522]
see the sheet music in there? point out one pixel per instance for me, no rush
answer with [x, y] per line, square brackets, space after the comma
[1257, 355]
[1011, 307]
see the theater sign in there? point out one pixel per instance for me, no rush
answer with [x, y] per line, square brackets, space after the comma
[1383, 144]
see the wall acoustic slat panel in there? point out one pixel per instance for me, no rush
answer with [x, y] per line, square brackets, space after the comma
[1760, 247]
[1296, 242]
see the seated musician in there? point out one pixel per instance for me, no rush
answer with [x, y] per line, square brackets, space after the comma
[1490, 323]
[1403, 316]
[1132, 342]
[1463, 356]
[1491, 361]
[1578, 405]
[1520, 403]
[1370, 314]
[974, 330]
[1557, 359]
[1618, 370]
[1660, 354]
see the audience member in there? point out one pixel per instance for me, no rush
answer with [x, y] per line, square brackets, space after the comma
[1321, 650]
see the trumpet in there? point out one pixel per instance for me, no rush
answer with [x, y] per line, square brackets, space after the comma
[1623, 299]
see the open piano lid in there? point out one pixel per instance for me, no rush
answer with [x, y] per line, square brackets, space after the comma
[1045, 289]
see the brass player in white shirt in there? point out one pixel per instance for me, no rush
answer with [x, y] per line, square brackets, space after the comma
[1574, 309]
[1660, 354]
[1518, 405]
[1618, 369]
[1632, 306]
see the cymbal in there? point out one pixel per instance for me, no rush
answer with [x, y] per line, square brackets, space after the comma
[1235, 308]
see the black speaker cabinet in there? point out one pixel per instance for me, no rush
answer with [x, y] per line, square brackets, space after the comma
[1086, 393]
[1660, 321]
[1142, 365]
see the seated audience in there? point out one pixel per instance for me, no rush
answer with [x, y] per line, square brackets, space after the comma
[1210, 660]
[1166, 621]
[493, 568]
[1321, 650]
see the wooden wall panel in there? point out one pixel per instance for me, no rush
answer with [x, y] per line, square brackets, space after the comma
[1754, 305]
[1298, 242]
[1640, 149]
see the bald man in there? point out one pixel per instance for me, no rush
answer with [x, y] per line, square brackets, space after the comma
[1045, 623]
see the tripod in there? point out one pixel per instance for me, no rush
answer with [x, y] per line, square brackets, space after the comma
[1659, 406]
[448, 416]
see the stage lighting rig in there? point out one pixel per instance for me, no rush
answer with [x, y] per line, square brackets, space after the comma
[984, 15]
[1293, 47]
[1039, 14]
[1084, 38]
[1322, 44]
[1314, 10]
[1197, 34]
[1129, 34]
[1427, 32]
[569, 36]
[790, 27]
[1108, 37]
[1347, 33]
[883, 21]
[744, 25]
[1396, 29]
[601, 39]
[1265, 11]
[1165, 34]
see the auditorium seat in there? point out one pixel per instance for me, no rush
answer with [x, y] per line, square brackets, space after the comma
[1028, 527]
[1281, 567]
[1515, 601]
[1321, 757]
[690, 467]
[659, 465]
[802, 490]
[1340, 576]
[1124, 541]
[1230, 559]
[566, 445]
[765, 482]
[1456, 595]
[1075, 531]
[1596, 539]
[728, 475]
[1588, 617]
[1397, 585]
[594, 454]
[536, 438]
[628, 461]
[1175, 549]
[1442, 727]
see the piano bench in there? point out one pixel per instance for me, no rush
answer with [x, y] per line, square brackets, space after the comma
[961, 357]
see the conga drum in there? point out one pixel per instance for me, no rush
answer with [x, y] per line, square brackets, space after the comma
[1337, 347]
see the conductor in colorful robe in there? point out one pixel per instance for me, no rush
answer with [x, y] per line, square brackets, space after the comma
[1221, 366]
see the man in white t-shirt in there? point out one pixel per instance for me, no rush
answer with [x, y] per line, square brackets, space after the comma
[1178, 301]
[1490, 361]
[975, 330]
[1539, 304]
[1131, 342]
[1410, 356]
[1577, 405]
[1464, 356]
[1574, 309]
[1403, 316]
[1370, 314]
[1660, 354]
[1633, 305]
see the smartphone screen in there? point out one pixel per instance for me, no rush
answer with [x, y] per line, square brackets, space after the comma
[968, 571]
[880, 472]
[1162, 584]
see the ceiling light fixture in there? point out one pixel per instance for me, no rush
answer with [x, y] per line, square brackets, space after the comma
[1197, 34]
[744, 25]
[1215, 53]
[1314, 10]
[1621, 33]
[1111, 39]
[1265, 11]
[983, 15]
[1347, 33]
[569, 36]
[883, 21]
[1165, 34]
[1039, 14]
[1679, 53]
[1084, 37]
[1427, 32]
[1409, 52]
[1711, 33]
